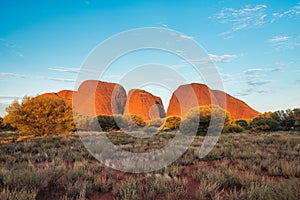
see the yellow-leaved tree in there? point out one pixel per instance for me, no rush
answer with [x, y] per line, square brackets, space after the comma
[198, 119]
[41, 116]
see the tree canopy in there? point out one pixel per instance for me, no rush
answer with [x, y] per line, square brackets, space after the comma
[40, 116]
[199, 119]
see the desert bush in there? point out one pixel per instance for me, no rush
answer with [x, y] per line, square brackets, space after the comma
[150, 188]
[22, 194]
[263, 190]
[150, 130]
[208, 190]
[285, 118]
[233, 128]
[103, 183]
[41, 116]
[129, 189]
[107, 123]
[86, 123]
[198, 119]
[243, 123]
[297, 118]
[5, 126]
[172, 123]
[264, 124]
[129, 122]
[284, 169]
[156, 123]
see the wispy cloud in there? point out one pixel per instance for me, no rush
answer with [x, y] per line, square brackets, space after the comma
[284, 42]
[260, 70]
[4, 74]
[60, 79]
[75, 70]
[241, 19]
[9, 97]
[278, 39]
[27, 76]
[227, 77]
[251, 17]
[256, 82]
[292, 12]
[222, 58]
[212, 57]
[251, 91]
[183, 36]
[64, 69]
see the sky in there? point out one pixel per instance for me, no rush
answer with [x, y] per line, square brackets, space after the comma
[255, 45]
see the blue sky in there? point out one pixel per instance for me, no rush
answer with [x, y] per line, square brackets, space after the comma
[254, 44]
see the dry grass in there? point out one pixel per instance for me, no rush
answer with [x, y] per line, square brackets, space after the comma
[241, 166]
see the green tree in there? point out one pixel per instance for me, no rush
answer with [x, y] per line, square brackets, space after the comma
[264, 124]
[285, 118]
[297, 118]
[40, 116]
[199, 118]
[242, 123]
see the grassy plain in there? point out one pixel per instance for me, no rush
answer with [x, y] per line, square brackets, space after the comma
[240, 166]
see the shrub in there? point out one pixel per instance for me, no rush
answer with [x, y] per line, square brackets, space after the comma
[156, 123]
[198, 119]
[172, 123]
[5, 127]
[99, 123]
[86, 123]
[1, 122]
[285, 118]
[41, 116]
[107, 123]
[297, 118]
[129, 122]
[264, 124]
[243, 123]
[233, 128]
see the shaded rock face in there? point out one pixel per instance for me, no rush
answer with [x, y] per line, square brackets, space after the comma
[192, 95]
[144, 104]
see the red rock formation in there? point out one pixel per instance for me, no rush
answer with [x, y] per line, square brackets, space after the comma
[95, 98]
[142, 103]
[237, 108]
[102, 98]
[99, 98]
[191, 95]
[66, 95]
[52, 94]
